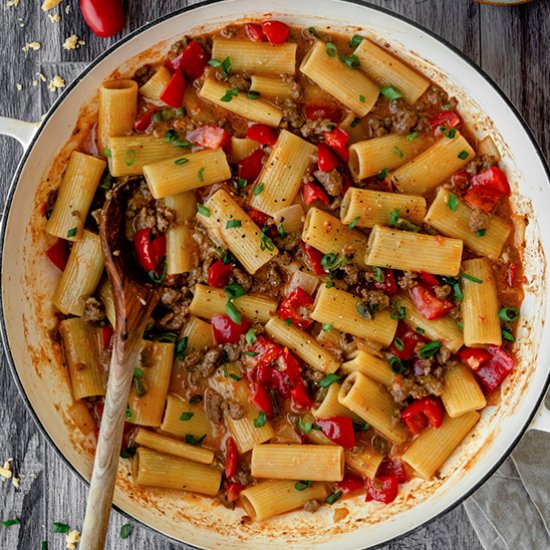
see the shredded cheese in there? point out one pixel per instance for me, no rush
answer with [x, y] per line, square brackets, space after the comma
[49, 4]
[6, 471]
[67, 9]
[72, 538]
[54, 18]
[55, 83]
[13, 3]
[19, 86]
[73, 42]
[31, 46]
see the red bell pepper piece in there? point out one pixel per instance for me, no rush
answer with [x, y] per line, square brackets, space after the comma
[261, 399]
[493, 372]
[314, 257]
[473, 357]
[443, 119]
[300, 397]
[192, 61]
[346, 183]
[259, 218]
[422, 412]
[409, 338]
[351, 484]
[292, 367]
[486, 188]
[312, 192]
[382, 489]
[211, 137]
[218, 274]
[149, 252]
[392, 468]
[231, 458]
[233, 491]
[58, 254]
[338, 429]
[460, 181]
[511, 275]
[327, 160]
[254, 32]
[388, 285]
[267, 351]
[272, 377]
[338, 139]
[173, 91]
[104, 17]
[143, 122]
[428, 304]
[262, 133]
[429, 279]
[295, 307]
[106, 336]
[226, 331]
[275, 31]
[316, 112]
[250, 167]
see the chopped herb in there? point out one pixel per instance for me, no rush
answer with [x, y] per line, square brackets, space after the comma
[10, 522]
[361, 427]
[430, 349]
[126, 530]
[304, 425]
[224, 369]
[327, 327]
[235, 377]
[203, 210]
[398, 312]
[181, 161]
[233, 223]
[401, 223]
[420, 330]
[228, 258]
[44, 545]
[452, 203]
[356, 39]
[396, 365]
[106, 182]
[397, 152]
[352, 61]
[412, 135]
[226, 67]
[71, 232]
[383, 174]
[481, 232]
[471, 278]
[288, 321]
[394, 217]
[508, 314]
[214, 63]
[362, 98]
[229, 95]
[260, 420]
[158, 279]
[379, 275]
[313, 31]
[129, 414]
[241, 182]
[195, 398]
[389, 92]
[192, 440]
[233, 313]
[331, 126]
[130, 157]
[187, 415]
[507, 335]
[302, 485]
[281, 231]
[138, 373]
[328, 380]
[250, 353]
[451, 133]
[355, 122]
[184, 143]
[139, 386]
[398, 343]
[333, 497]
[446, 107]
[170, 135]
[252, 95]
[330, 284]
[463, 155]
[200, 174]
[265, 241]
[60, 527]
[181, 348]
[332, 261]
[353, 222]
[460, 325]
[258, 189]
[331, 49]
[250, 336]
[128, 452]
[107, 153]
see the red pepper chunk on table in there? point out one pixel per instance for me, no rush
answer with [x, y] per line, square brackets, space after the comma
[338, 429]
[104, 17]
[173, 92]
[428, 304]
[421, 413]
[295, 307]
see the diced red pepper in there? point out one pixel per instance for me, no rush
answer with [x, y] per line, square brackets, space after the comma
[275, 31]
[460, 181]
[421, 413]
[292, 367]
[149, 252]
[144, 120]
[192, 61]
[443, 119]
[428, 304]
[231, 458]
[388, 285]
[392, 468]
[233, 491]
[338, 139]
[327, 160]
[486, 188]
[316, 112]
[261, 399]
[58, 254]
[428, 278]
[338, 429]
[382, 489]
[300, 397]
[218, 274]
[258, 217]
[267, 351]
[409, 338]
[473, 357]
[226, 331]
[511, 275]
[254, 32]
[314, 256]
[211, 137]
[312, 192]
[262, 133]
[173, 91]
[295, 307]
[272, 377]
[351, 484]
[493, 372]
[250, 167]
[106, 336]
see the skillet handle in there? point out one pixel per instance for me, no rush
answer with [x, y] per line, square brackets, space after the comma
[22, 131]
[541, 421]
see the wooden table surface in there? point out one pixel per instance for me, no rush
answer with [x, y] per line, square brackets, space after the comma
[511, 44]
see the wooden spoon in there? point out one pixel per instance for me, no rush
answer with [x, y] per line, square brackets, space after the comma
[134, 303]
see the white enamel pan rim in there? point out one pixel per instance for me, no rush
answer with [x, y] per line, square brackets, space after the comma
[24, 132]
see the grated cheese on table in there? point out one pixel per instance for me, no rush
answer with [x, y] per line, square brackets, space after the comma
[31, 46]
[55, 83]
[6, 471]
[72, 538]
[54, 18]
[19, 86]
[49, 4]
[13, 3]
[73, 42]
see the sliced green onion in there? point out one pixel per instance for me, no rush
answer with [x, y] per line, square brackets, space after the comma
[203, 210]
[389, 92]
[187, 415]
[463, 155]
[356, 39]
[452, 203]
[331, 49]
[233, 313]
[302, 485]
[471, 278]
[234, 290]
[353, 222]
[126, 530]
[328, 380]
[260, 420]
[430, 349]
[232, 224]
[508, 314]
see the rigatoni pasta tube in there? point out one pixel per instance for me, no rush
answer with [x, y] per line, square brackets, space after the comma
[198, 334]
[256, 110]
[269, 87]
[329, 235]
[182, 418]
[291, 218]
[461, 392]
[368, 364]
[76, 192]
[80, 414]
[387, 70]
[117, 110]
[105, 294]
[245, 433]
[364, 461]
[350, 87]
[456, 223]
[331, 407]
[236, 228]
[209, 301]
[410, 251]
[302, 344]
[242, 148]
[370, 157]
[373, 404]
[189, 171]
[156, 84]
[81, 275]
[433, 446]
[154, 469]
[368, 207]
[480, 306]
[271, 498]
[433, 166]
[311, 462]
[341, 309]
[82, 357]
[282, 174]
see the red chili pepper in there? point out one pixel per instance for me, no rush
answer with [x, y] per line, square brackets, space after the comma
[443, 119]
[316, 112]
[149, 253]
[259, 218]
[460, 181]
[428, 304]
[327, 160]
[231, 458]
[254, 32]
[218, 274]
[429, 279]
[338, 429]
[473, 357]
[225, 331]
[104, 17]
[295, 307]
[392, 468]
[106, 336]
[486, 188]
[272, 377]
[351, 484]
[422, 412]
[312, 192]
[409, 338]
[267, 351]
[143, 122]
[314, 257]
[261, 399]
[292, 367]
[511, 275]
[192, 61]
[58, 254]
[262, 133]
[233, 491]
[275, 31]
[250, 167]
[388, 285]
[493, 372]
[173, 91]
[300, 397]
[338, 139]
[382, 489]
[211, 137]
